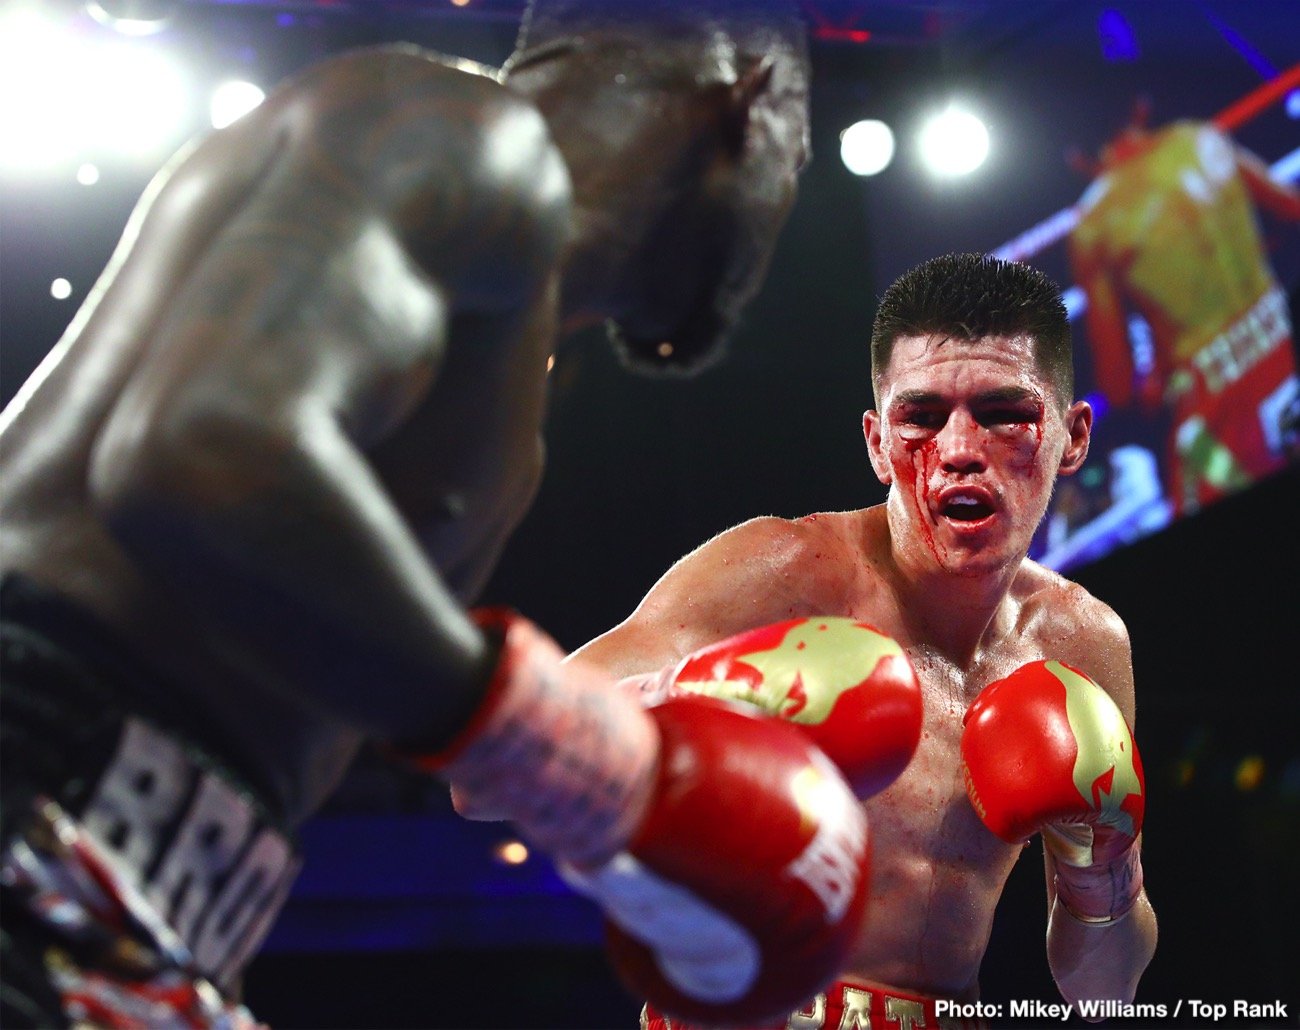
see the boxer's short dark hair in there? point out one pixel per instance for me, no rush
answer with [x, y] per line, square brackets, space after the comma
[971, 296]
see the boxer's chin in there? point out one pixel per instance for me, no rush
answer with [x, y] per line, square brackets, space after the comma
[694, 345]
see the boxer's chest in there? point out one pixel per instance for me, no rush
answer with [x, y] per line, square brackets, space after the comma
[926, 811]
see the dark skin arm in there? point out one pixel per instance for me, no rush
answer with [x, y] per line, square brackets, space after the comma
[309, 319]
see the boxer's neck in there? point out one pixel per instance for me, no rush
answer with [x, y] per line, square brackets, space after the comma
[958, 615]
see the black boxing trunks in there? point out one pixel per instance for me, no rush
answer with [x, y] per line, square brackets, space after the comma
[849, 1005]
[138, 872]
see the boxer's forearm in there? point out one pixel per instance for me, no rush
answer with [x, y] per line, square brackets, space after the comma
[1100, 960]
[304, 561]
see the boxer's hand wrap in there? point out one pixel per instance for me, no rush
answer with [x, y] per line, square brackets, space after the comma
[745, 887]
[847, 685]
[1047, 749]
[552, 748]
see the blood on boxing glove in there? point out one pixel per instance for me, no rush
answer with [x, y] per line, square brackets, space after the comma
[744, 889]
[850, 687]
[1047, 749]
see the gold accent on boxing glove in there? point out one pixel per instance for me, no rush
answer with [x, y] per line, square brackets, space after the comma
[1104, 743]
[834, 653]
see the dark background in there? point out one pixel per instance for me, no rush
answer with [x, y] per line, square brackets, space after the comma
[403, 917]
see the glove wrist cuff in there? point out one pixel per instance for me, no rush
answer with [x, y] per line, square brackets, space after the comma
[1087, 920]
[1103, 893]
[553, 747]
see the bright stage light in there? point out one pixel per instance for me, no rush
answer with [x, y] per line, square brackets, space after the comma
[953, 143]
[132, 17]
[60, 289]
[867, 147]
[33, 53]
[233, 100]
[84, 99]
[143, 109]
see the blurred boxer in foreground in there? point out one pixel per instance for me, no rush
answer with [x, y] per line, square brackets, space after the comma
[248, 496]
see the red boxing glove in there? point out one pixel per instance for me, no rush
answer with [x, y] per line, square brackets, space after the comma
[846, 684]
[745, 886]
[727, 851]
[1047, 749]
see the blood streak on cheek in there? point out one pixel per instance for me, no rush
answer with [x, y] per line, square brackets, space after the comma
[924, 459]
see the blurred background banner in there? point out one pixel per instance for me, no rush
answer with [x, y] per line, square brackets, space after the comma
[1144, 153]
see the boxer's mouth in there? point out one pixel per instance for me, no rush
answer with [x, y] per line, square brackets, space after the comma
[966, 504]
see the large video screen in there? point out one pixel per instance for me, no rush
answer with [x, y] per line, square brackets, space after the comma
[1180, 260]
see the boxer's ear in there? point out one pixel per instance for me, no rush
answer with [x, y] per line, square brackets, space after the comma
[752, 83]
[1078, 428]
[742, 94]
[875, 448]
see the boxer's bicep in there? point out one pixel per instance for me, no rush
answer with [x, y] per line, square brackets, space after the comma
[1112, 656]
[726, 586]
[1097, 642]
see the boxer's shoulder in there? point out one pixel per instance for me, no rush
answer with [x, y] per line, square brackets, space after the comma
[397, 73]
[1066, 622]
[771, 543]
[463, 167]
[763, 570]
[1056, 604]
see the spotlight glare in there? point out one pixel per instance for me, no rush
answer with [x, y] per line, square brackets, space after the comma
[953, 143]
[867, 147]
[146, 105]
[512, 852]
[33, 55]
[88, 174]
[60, 289]
[131, 17]
[232, 100]
[84, 98]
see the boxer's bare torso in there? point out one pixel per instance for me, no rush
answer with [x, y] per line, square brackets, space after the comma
[937, 872]
[416, 334]
[283, 443]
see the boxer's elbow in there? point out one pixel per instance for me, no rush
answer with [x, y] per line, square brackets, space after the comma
[163, 482]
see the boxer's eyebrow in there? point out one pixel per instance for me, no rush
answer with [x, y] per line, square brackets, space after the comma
[915, 399]
[1006, 395]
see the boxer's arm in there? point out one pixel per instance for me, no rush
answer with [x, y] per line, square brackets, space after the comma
[300, 329]
[1100, 960]
[725, 586]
